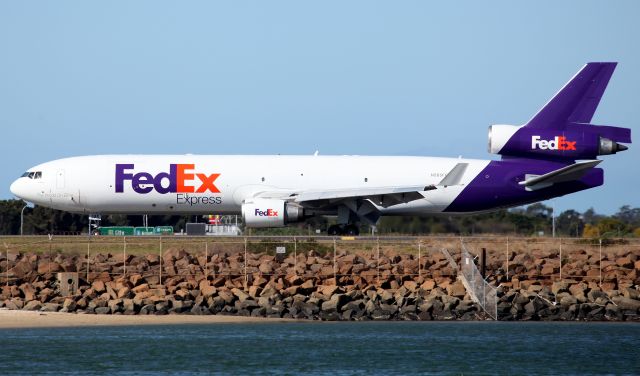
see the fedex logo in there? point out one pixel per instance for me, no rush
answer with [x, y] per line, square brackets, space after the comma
[558, 143]
[266, 213]
[181, 178]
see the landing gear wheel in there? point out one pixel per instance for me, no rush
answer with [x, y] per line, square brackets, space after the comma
[352, 230]
[334, 230]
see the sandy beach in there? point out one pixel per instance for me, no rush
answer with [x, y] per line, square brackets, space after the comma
[12, 319]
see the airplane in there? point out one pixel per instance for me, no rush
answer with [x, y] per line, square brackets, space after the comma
[553, 154]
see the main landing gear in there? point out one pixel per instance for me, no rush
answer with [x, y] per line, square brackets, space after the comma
[350, 229]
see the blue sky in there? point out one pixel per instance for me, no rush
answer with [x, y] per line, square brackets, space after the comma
[380, 78]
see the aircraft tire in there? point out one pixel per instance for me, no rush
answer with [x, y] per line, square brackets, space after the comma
[334, 230]
[352, 230]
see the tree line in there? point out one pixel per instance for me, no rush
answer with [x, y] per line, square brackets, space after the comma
[532, 220]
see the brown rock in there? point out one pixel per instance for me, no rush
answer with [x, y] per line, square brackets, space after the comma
[152, 258]
[266, 267]
[242, 296]
[110, 290]
[136, 279]
[327, 271]
[28, 291]
[631, 293]
[254, 291]
[21, 269]
[327, 290]
[558, 287]
[608, 286]
[98, 286]
[69, 304]
[625, 262]
[183, 294]
[159, 292]
[547, 270]
[124, 292]
[291, 291]
[428, 285]
[45, 267]
[457, 289]
[307, 285]
[46, 295]
[410, 285]
[626, 303]
[294, 280]
[141, 288]
[226, 295]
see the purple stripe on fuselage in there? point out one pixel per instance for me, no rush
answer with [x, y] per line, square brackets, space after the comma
[497, 185]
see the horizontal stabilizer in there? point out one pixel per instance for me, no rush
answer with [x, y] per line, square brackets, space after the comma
[568, 173]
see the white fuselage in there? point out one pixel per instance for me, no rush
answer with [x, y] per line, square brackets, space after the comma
[89, 184]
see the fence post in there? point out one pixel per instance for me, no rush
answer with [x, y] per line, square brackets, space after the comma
[334, 260]
[245, 261]
[507, 258]
[160, 269]
[7, 248]
[295, 256]
[419, 259]
[600, 263]
[49, 263]
[124, 257]
[88, 256]
[560, 259]
[378, 258]
[206, 259]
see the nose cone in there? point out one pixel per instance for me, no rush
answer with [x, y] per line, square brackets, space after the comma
[18, 188]
[14, 188]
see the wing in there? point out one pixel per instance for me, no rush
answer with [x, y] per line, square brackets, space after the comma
[381, 196]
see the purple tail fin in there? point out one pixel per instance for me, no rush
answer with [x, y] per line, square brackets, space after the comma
[577, 101]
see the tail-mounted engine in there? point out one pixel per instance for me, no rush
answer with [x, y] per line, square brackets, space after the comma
[577, 141]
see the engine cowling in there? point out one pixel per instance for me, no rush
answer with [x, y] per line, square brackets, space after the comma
[261, 213]
[577, 141]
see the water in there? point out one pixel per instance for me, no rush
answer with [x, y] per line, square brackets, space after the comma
[389, 348]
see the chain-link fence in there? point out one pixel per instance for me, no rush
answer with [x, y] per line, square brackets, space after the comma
[510, 260]
[480, 291]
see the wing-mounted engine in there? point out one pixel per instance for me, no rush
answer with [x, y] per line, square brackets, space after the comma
[270, 213]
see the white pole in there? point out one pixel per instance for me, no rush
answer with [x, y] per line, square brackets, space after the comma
[507, 257]
[553, 219]
[600, 263]
[22, 219]
[88, 256]
[245, 261]
[419, 259]
[560, 260]
[124, 259]
[160, 271]
[378, 258]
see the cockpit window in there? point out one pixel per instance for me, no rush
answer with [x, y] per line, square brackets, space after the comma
[32, 175]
